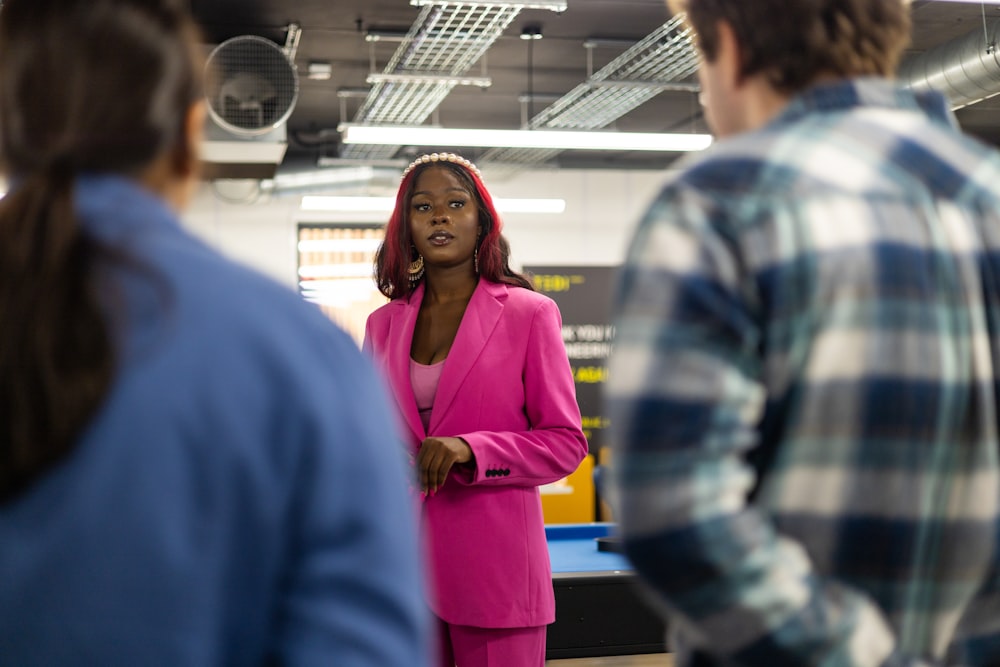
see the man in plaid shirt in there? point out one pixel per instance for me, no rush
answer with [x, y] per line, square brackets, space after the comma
[804, 387]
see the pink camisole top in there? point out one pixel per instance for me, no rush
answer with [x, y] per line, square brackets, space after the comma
[424, 380]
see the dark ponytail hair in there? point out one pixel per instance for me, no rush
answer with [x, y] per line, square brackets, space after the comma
[97, 86]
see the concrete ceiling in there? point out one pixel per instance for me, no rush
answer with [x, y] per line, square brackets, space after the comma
[334, 32]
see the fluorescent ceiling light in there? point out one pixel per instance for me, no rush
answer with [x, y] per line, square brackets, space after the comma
[553, 5]
[530, 205]
[385, 204]
[432, 79]
[323, 177]
[349, 204]
[394, 135]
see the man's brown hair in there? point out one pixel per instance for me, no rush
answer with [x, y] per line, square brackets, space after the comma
[793, 42]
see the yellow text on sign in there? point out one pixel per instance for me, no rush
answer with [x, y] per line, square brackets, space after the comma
[556, 282]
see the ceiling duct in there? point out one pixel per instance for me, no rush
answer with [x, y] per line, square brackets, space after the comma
[663, 60]
[252, 87]
[441, 46]
[966, 70]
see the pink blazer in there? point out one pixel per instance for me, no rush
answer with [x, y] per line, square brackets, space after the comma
[507, 389]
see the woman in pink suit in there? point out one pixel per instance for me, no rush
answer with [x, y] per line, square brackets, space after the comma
[475, 360]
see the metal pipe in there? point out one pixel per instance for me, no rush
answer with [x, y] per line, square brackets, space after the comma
[966, 69]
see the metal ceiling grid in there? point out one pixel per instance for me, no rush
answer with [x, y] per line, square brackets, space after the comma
[445, 41]
[666, 59]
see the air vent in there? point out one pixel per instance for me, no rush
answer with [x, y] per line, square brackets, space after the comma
[253, 86]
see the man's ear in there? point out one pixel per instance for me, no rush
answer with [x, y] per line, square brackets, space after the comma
[188, 153]
[729, 56]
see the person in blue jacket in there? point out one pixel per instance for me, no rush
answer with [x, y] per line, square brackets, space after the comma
[196, 467]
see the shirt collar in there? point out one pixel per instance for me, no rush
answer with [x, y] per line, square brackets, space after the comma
[112, 207]
[870, 92]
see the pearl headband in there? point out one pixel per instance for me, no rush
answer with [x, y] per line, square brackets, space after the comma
[443, 157]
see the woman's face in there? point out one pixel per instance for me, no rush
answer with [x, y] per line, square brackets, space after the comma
[444, 218]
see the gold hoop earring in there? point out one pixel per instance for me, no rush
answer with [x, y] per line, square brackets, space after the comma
[416, 269]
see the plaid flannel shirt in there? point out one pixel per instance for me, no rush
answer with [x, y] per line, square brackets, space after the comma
[803, 391]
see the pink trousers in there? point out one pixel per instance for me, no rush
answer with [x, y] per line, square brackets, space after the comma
[466, 646]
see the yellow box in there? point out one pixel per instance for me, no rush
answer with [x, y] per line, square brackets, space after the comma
[571, 499]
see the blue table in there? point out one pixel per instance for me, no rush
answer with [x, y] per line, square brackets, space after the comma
[599, 610]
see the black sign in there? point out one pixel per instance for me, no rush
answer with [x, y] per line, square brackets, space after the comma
[583, 294]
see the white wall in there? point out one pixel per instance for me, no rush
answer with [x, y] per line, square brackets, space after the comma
[602, 209]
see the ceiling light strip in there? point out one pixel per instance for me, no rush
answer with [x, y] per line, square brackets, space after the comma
[552, 5]
[385, 204]
[432, 78]
[557, 139]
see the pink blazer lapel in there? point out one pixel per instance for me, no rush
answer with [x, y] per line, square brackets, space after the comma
[480, 319]
[400, 334]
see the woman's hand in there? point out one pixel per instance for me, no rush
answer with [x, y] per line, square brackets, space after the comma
[436, 457]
